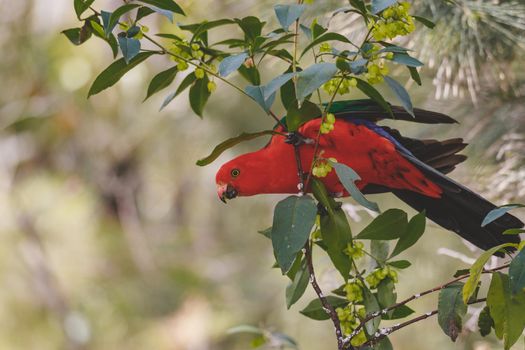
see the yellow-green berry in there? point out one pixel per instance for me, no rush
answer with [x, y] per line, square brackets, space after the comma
[212, 86]
[199, 73]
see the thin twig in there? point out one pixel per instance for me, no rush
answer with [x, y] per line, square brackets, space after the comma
[383, 332]
[326, 305]
[413, 297]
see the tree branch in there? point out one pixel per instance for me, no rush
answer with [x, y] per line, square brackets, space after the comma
[326, 305]
[383, 332]
[413, 297]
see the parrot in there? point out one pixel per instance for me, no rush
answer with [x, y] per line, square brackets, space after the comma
[413, 170]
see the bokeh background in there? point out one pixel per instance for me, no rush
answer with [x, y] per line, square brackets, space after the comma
[112, 238]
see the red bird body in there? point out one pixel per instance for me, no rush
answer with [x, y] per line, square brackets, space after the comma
[413, 170]
[377, 161]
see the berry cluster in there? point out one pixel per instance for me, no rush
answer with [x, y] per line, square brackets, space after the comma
[355, 250]
[392, 22]
[323, 167]
[350, 320]
[328, 124]
[331, 86]
[379, 274]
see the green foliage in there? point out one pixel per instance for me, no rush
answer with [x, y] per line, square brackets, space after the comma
[293, 220]
[308, 89]
[451, 310]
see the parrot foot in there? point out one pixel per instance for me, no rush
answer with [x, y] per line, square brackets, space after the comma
[296, 139]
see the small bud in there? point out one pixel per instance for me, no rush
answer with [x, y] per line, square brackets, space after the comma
[199, 73]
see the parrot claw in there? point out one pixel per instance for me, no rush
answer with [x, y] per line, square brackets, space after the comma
[296, 139]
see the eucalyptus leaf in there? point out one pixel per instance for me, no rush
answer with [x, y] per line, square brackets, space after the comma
[495, 214]
[112, 74]
[115, 16]
[387, 226]
[161, 81]
[315, 310]
[229, 143]
[451, 310]
[186, 83]
[371, 92]
[165, 5]
[407, 60]
[129, 47]
[517, 273]
[257, 94]
[293, 220]
[324, 38]
[199, 95]
[414, 231]
[401, 94]
[231, 63]
[348, 178]
[313, 78]
[296, 289]
[477, 269]
[287, 14]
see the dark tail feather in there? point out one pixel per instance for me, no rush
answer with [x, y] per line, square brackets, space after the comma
[462, 211]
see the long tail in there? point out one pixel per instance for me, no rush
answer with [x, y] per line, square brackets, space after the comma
[459, 209]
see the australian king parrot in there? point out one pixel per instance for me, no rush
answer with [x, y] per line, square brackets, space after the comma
[413, 170]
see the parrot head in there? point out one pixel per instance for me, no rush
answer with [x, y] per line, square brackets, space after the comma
[266, 171]
[236, 177]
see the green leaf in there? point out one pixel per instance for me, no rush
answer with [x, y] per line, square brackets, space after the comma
[379, 250]
[451, 310]
[401, 94]
[415, 75]
[287, 14]
[506, 310]
[199, 95]
[399, 312]
[414, 231]
[144, 11]
[112, 74]
[251, 74]
[81, 6]
[495, 214]
[496, 301]
[229, 143]
[77, 36]
[313, 78]
[407, 60]
[337, 235]
[130, 47]
[257, 94]
[400, 264]
[348, 177]
[513, 231]
[380, 5]
[98, 30]
[371, 92]
[320, 193]
[381, 344]
[296, 289]
[186, 83]
[169, 5]
[517, 273]
[266, 232]
[485, 322]
[389, 225]
[293, 220]
[161, 81]
[258, 341]
[251, 26]
[425, 21]
[298, 116]
[324, 38]
[287, 92]
[276, 83]
[477, 269]
[359, 5]
[115, 16]
[231, 63]
[386, 296]
[315, 310]
[371, 306]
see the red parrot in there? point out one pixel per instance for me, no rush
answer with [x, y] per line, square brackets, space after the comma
[413, 170]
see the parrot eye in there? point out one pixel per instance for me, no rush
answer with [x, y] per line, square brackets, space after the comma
[235, 172]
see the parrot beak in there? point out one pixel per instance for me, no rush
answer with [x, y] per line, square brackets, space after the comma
[226, 192]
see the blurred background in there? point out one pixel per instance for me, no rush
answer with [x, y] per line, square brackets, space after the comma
[112, 238]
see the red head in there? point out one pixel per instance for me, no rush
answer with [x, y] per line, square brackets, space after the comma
[269, 170]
